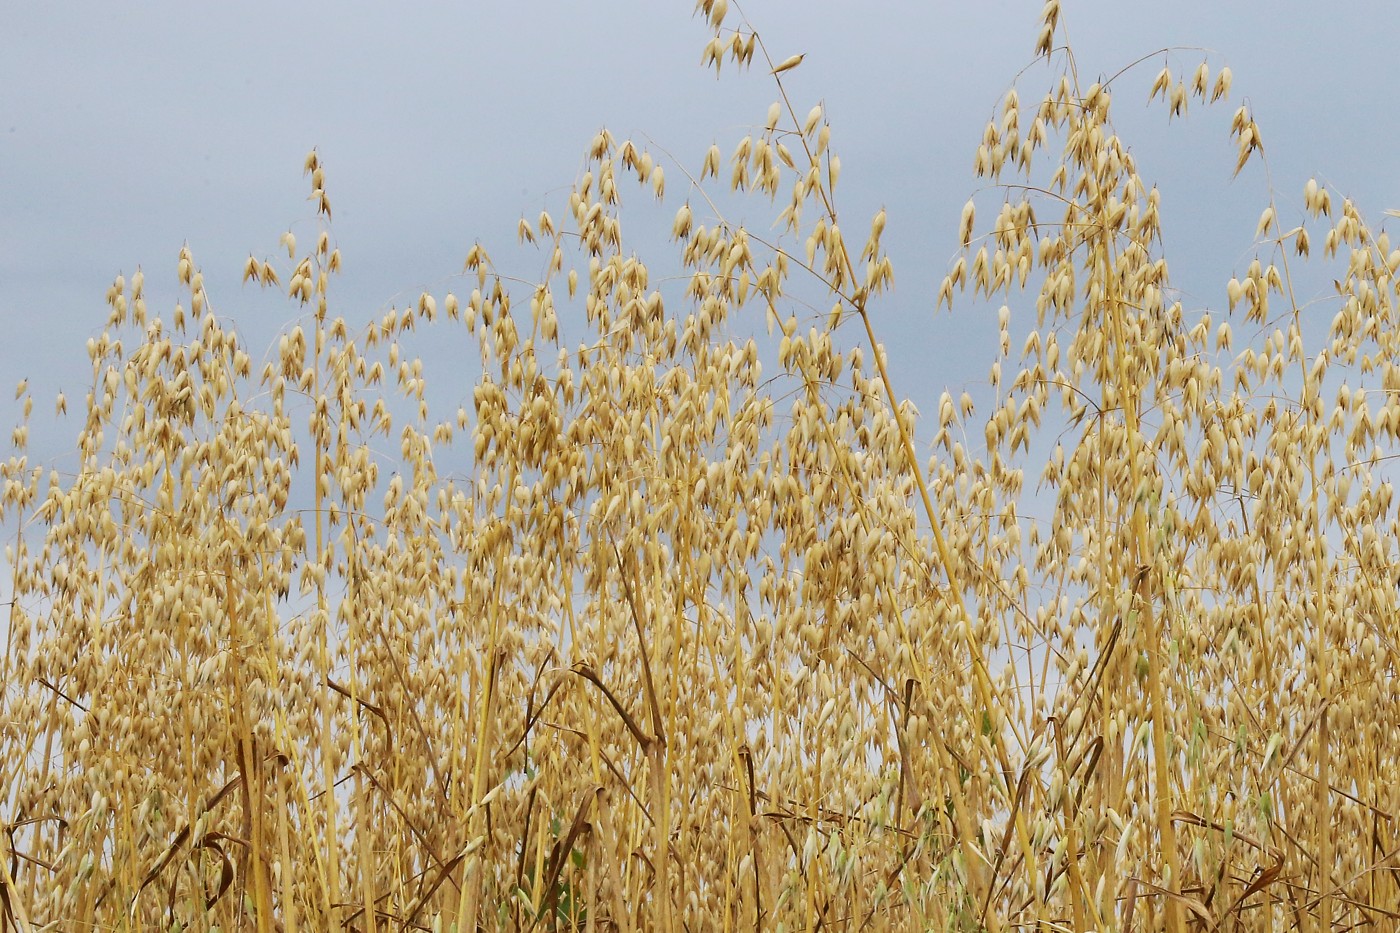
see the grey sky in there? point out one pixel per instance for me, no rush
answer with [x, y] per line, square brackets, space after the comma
[126, 130]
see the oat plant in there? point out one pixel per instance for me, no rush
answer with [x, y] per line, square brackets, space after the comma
[688, 621]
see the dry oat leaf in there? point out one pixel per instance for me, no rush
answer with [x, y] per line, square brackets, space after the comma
[1190, 903]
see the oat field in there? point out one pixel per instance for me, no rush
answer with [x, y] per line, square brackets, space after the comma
[688, 620]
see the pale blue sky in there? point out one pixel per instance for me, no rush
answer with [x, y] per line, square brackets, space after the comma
[127, 130]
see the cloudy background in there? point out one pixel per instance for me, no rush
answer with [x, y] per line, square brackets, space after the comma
[127, 130]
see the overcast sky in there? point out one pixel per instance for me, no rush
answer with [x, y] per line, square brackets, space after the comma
[129, 129]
